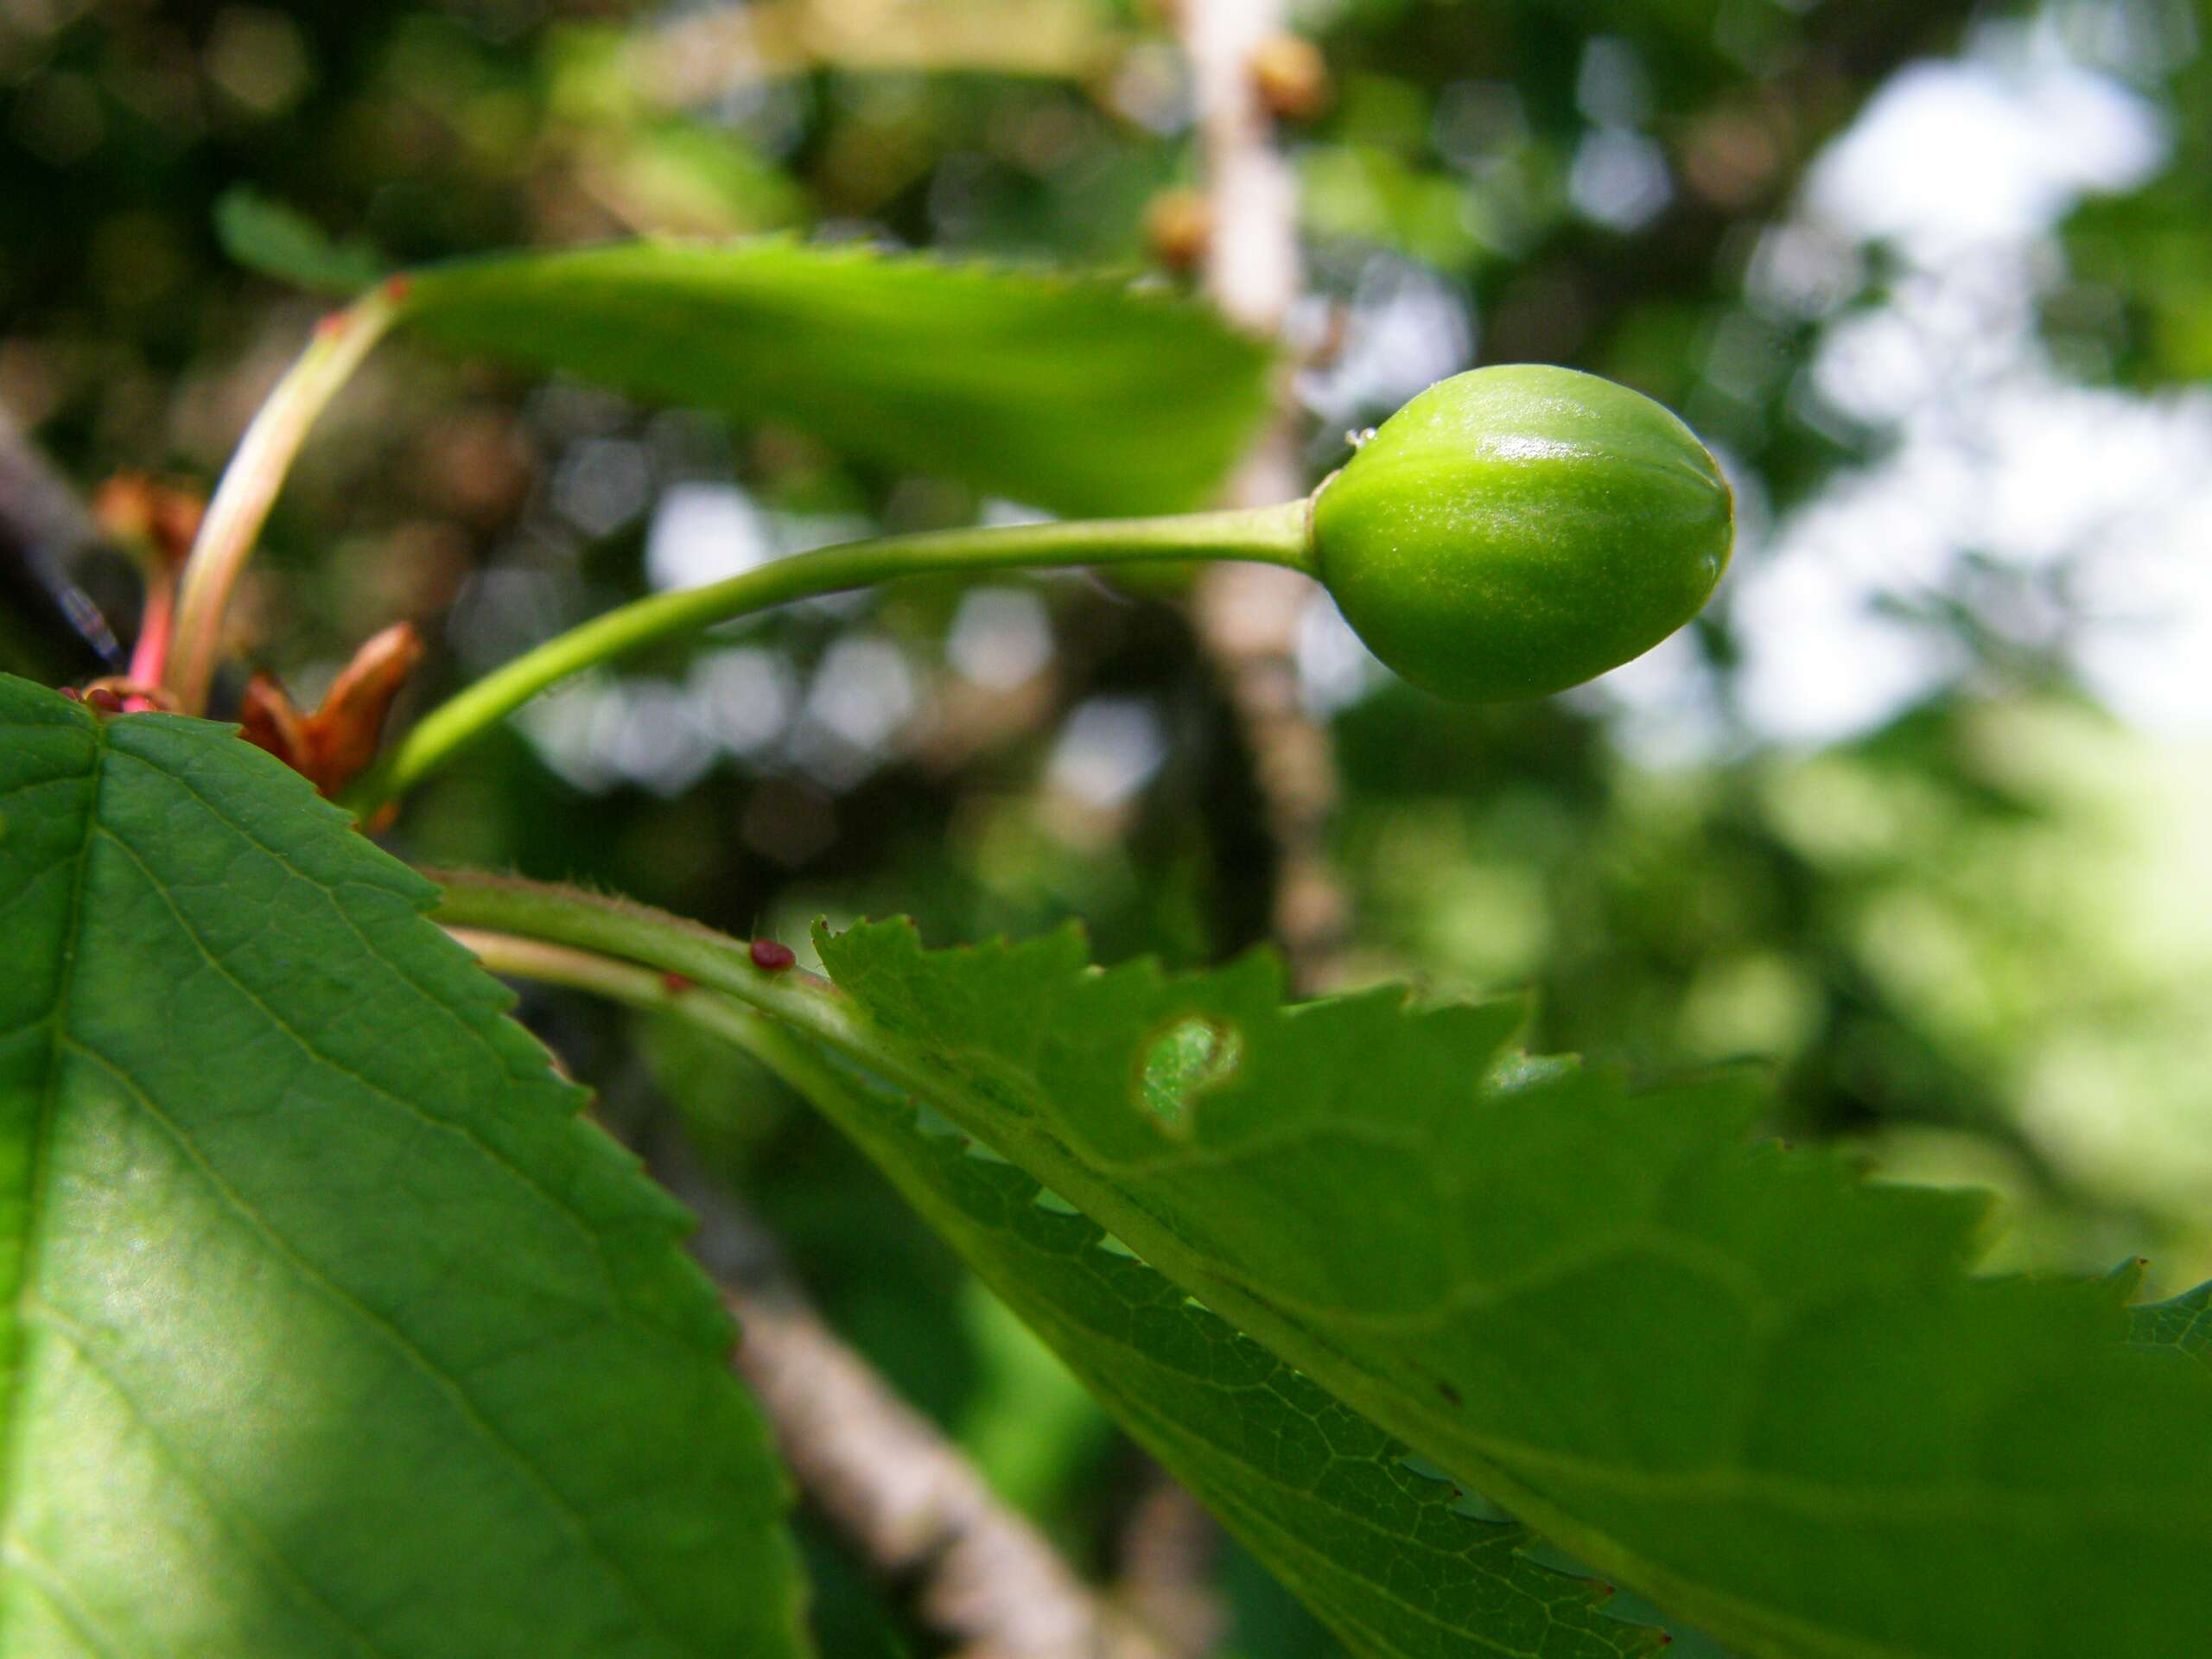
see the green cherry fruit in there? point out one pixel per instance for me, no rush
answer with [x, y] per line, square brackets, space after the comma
[1515, 530]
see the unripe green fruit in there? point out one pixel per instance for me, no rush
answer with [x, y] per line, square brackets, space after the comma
[1515, 530]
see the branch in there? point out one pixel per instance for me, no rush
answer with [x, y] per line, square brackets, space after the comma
[883, 1475]
[41, 526]
[1170, 1549]
[1248, 618]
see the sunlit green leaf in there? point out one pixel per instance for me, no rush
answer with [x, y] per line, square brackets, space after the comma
[1740, 1380]
[1396, 1559]
[1760, 1392]
[1079, 395]
[1070, 393]
[327, 1327]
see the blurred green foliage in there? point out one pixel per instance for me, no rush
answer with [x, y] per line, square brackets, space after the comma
[2144, 261]
[1974, 937]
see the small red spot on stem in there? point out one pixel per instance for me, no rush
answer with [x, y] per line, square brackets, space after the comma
[770, 956]
[329, 324]
[396, 289]
[676, 984]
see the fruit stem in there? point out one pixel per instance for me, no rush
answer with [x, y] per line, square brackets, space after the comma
[1275, 535]
[249, 484]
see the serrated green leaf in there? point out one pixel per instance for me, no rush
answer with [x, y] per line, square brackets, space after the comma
[327, 1327]
[1398, 1559]
[1076, 394]
[278, 241]
[1392, 1557]
[1738, 1380]
[1761, 1392]
[1080, 395]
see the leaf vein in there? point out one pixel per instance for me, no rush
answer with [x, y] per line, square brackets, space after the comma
[80, 1343]
[565, 1512]
[598, 1245]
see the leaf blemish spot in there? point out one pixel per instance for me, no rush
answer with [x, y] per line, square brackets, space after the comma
[1185, 1061]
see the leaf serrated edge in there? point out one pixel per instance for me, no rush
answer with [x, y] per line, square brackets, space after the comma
[831, 1019]
[817, 1072]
